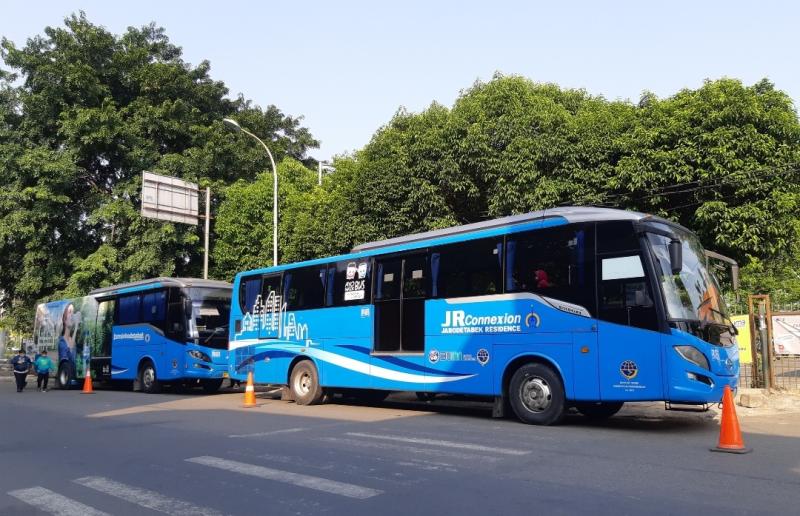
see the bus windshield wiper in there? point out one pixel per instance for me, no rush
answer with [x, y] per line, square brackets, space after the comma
[214, 332]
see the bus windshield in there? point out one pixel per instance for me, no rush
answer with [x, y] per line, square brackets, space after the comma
[693, 294]
[209, 320]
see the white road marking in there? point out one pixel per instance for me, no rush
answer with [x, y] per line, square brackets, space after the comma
[405, 449]
[54, 503]
[444, 444]
[144, 497]
[265, 434]
[288, 477]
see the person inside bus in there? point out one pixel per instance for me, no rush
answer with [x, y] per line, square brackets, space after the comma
[541, 279]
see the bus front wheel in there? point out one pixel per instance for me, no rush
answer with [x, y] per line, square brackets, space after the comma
[537, 395]
[211, 386]
[148, 379]
[304, 384]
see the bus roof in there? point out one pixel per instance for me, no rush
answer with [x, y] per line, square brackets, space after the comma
[510, 224]
[570, 214]
[152, 283]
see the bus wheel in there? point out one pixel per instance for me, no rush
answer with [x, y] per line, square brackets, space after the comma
[537, 395]
[64, 375]
[148, 379]
[599, 410]
[305, 386]
[211, 386]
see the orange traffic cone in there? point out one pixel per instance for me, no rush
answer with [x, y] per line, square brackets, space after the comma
[249, 392]
[730, 436]
[87, 383]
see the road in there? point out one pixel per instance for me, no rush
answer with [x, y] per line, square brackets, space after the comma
[118, 452]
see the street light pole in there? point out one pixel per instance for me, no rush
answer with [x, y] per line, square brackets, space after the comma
[234, 125]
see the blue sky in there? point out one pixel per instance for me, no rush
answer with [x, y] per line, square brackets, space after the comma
[347, 66]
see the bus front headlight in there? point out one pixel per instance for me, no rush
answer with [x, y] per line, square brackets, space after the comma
[199, 355]
[693, 355]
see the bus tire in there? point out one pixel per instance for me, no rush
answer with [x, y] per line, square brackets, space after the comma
[304, 384]
[599, 410]
[211, 386]
[64, 376]
[536, 394]
[148, 379]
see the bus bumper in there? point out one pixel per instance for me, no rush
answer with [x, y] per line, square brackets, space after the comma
[699, 388]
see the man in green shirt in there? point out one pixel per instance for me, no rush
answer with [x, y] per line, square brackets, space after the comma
[43, 367]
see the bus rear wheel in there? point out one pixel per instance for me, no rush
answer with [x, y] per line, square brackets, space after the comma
[537, 395]
[599, 410]
[148, 379]
[304, 384]
[64, 377]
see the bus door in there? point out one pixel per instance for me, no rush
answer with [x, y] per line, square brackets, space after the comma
[401, 285]
[629, 340]
[101, 341]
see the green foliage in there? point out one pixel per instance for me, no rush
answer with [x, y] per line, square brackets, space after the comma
[93, 112]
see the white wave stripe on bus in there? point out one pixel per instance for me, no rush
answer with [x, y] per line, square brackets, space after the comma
[48, 501]
[380, 372]
[358, 366]
[144, 497]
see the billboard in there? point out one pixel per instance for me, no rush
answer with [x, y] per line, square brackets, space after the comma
[786, 334]
[169, 198]
[743, 339]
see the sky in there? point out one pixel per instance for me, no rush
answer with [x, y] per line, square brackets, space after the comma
[348, 66]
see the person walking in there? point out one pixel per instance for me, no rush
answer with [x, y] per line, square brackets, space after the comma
[43, 366]
[21, 364]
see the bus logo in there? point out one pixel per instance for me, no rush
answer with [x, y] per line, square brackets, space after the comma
[629, 369]
[433, 356]
[536, 320]
[483, 357]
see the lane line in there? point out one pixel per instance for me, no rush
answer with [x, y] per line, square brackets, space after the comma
[54, 503]
[145, 497]
[288, 477]
[265, 434]
[438, 442]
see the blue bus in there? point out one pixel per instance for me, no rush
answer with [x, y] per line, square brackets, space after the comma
[150, 332]
[569, 307]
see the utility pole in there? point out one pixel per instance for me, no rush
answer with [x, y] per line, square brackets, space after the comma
[208, 225]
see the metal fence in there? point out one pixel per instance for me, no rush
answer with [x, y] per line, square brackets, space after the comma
[775, 353]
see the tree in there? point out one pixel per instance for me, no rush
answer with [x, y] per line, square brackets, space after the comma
[95, 110]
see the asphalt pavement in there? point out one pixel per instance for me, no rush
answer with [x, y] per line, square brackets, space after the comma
[118, 452]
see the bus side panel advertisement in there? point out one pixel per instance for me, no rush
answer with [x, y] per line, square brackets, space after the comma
[67, 330]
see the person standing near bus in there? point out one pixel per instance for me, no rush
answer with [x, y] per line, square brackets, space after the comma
[43, 366]
[21, 364]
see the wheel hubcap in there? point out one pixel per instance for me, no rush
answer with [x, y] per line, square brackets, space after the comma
[535, 393]
[303, 384]
[148, 376]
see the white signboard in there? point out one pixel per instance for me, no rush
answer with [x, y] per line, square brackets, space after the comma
[786, 334]
[169, 198]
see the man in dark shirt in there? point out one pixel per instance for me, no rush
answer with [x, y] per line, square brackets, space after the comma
[21, 364]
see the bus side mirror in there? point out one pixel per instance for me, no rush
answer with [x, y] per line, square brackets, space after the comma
[675, 256]
[187, 307]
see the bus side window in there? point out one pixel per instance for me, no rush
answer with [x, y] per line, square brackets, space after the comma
[154, 308]
[624, 292]
[556, 262]
[469, 269]
[249, 290]
[129, 309]
[304, 288]
[176, 319]
[351, 282]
